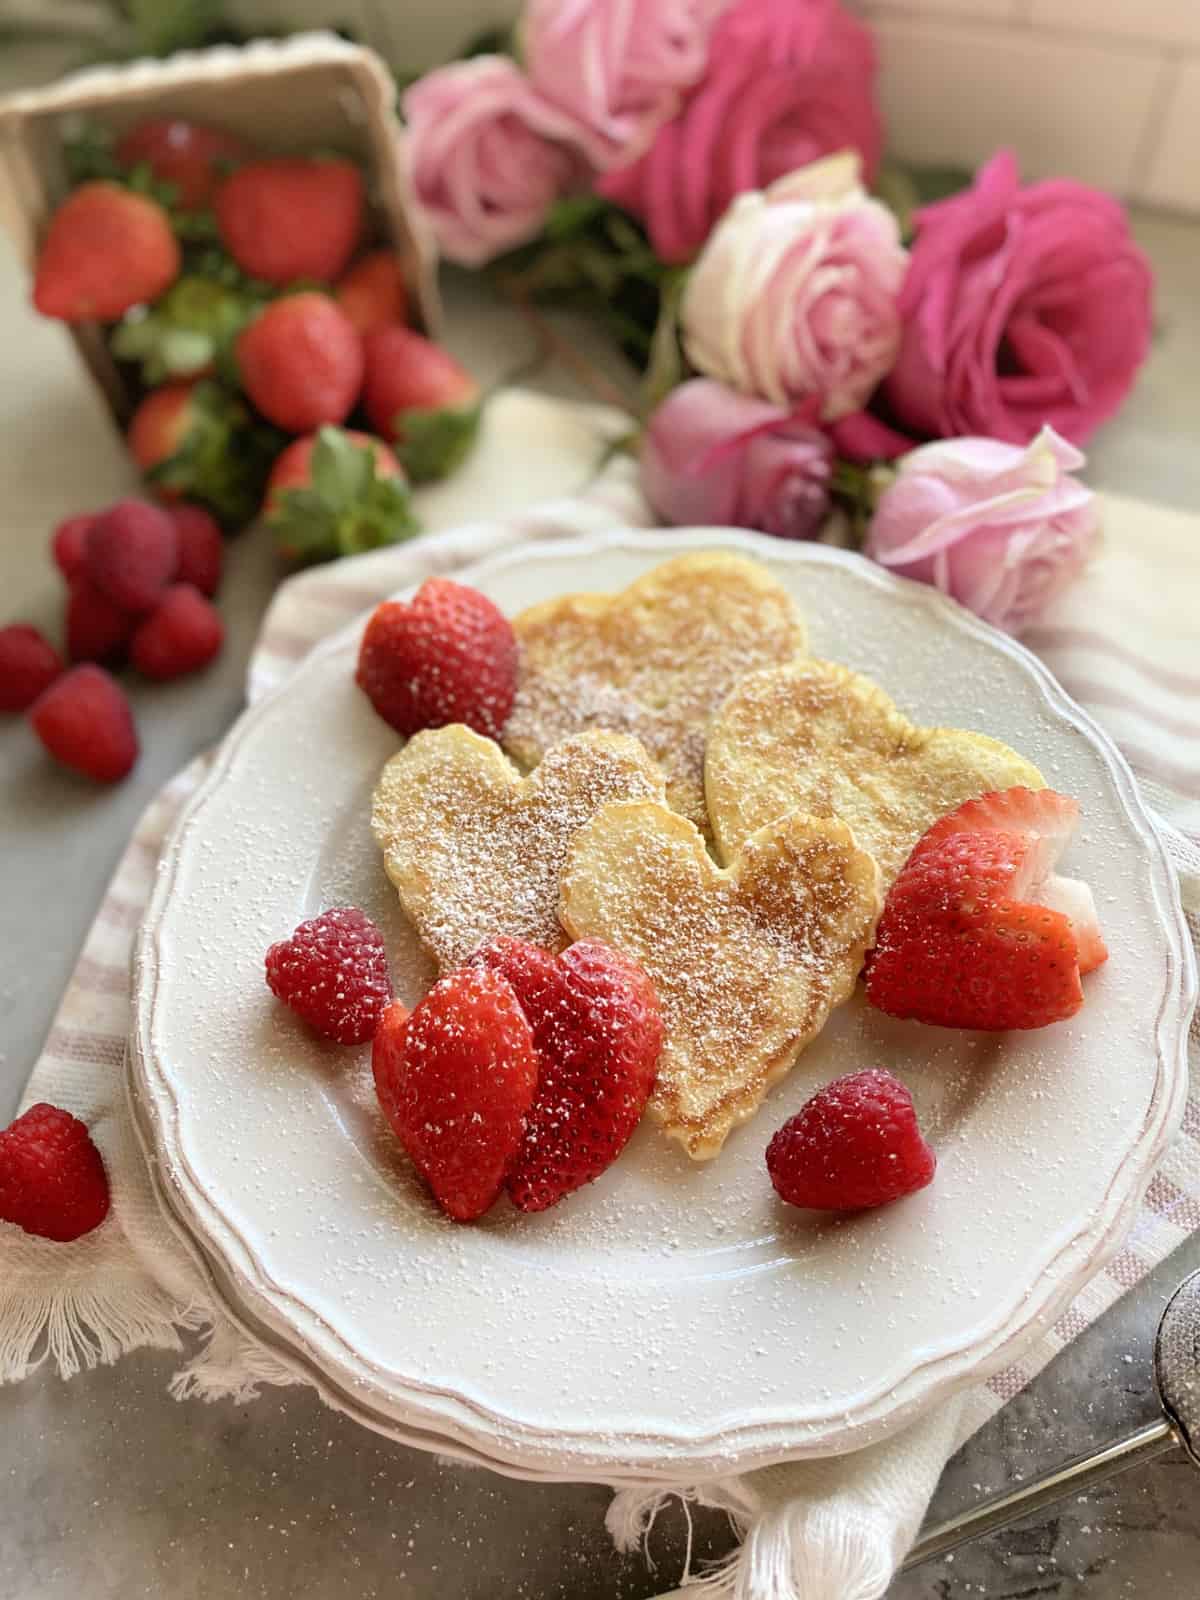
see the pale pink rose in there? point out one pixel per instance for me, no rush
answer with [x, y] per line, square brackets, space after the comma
[1003, 529]
[618, 67]
[794, 296]
[488, 157]
[787, 81]
[711, 456]
[1022, 306]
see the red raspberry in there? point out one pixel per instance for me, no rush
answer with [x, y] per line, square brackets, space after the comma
[182, 634]
[52, 1180]
[598, 1032]
[97, 630]
[29, 663]
[455, 1081]
[69, 544]
[132, 554]
[333, 973]
[85, 722]
[854, 1145]
[201, 547]
[446, 656]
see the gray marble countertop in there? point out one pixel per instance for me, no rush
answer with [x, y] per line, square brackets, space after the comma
[113, 1490]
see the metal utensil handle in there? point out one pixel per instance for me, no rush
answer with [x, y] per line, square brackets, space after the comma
[1083, 1473]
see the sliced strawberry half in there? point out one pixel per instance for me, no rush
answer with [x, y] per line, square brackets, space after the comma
[1047, 820]
[978, 931]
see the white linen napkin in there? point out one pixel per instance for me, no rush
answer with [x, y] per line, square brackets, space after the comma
[823, 1530]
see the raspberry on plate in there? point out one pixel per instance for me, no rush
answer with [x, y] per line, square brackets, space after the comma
[84, 721]
[978, 931]
[455, 1080]
[448, 655]
[29, 663]
[854, 1145]
[132, 554]
[182, 634]
[333, 973]
[52, 1179]
[598, 1033]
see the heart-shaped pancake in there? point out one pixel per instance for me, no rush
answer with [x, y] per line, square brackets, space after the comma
[813, 736]
[747, 961]
[475, 850]
[654, 661]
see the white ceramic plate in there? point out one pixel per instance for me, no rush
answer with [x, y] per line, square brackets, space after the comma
[672, 1320]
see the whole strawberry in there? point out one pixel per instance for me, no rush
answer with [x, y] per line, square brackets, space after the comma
[333, 973]
[68, 544]
[182, 634]
[29, 664]
[301, 362]
[132, 554]
[854, 1145]
[52, 1178]
[188, 155]
[971, 935]
[419, 397]
[84, 721]
[337, 492]
[107, 249]
[598, 1033]
[455, 1080]
[292, 217]
[448, 655]
[196, 441]
[373, 293]
[201, 548]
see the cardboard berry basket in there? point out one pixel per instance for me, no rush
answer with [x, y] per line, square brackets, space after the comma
[312, 92]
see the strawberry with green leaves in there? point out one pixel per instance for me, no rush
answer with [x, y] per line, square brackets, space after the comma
[337, 492]
[192, 330]
[189, 156]
[420, 398]
[196, 441]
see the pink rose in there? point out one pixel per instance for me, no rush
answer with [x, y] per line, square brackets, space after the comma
[1002, 529]
[618, 67]
[711, 456]
[794, 296]
[488, 157]
[787, 81]
[1021, 307]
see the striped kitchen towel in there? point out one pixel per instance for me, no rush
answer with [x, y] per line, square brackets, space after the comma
[837, 1527]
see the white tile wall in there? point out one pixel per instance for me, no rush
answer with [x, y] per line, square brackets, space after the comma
[1103, 90]
[1067, 107]
[1153, 20]
[1107, 91]
[1173, 174]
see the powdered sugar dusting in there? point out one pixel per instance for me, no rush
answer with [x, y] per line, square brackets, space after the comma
[747, 963]
[654, 661]
[474, 850]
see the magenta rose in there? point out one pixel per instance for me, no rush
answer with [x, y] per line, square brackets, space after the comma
[1002, 528]
[713, 456]
[617, 67]
[1022, 306]
[487, 156]
[786, 83]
